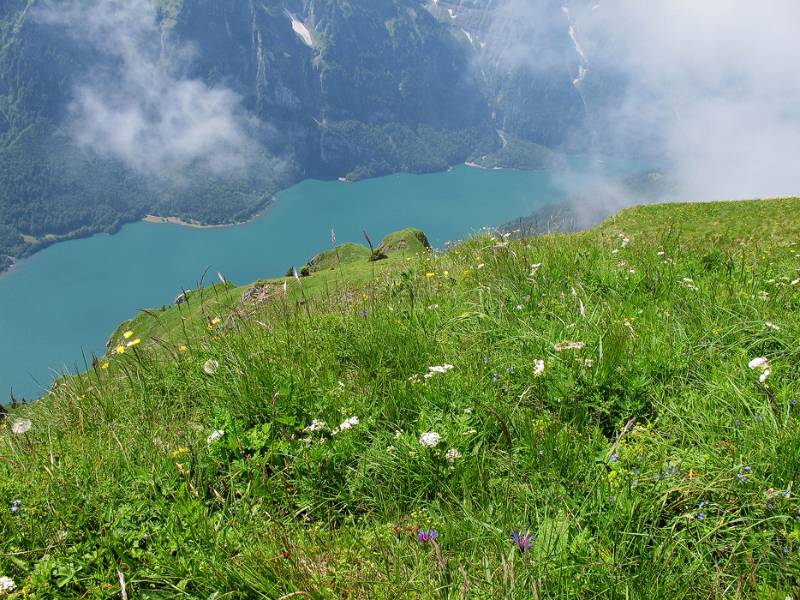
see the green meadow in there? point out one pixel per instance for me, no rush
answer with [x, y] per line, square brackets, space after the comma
[623, 400]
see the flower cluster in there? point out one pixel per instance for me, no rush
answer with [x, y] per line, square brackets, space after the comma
[7, 585]
[430, 439]
[761, 364]
[427, 535]
[438, 370]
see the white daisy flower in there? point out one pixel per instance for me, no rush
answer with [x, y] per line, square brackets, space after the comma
[210, 367]
[430, 439]
[438, 370]
[538, 368]
[215, 435]
[7, 585]
[452, 455]
[348, 423]
[21, 426]
[762, 364]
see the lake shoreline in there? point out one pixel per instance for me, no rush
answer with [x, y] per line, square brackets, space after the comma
[159, 220]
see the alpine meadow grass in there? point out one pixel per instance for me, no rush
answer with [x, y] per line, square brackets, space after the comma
[562, 416]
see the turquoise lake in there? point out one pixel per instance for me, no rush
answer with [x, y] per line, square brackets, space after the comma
[64, 302]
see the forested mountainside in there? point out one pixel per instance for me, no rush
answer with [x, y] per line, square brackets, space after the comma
[202, 109]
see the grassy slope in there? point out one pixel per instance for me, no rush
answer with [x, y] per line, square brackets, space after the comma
[696, 500]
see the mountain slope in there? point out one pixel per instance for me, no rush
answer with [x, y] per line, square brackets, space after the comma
[203, 109]
[648, 451]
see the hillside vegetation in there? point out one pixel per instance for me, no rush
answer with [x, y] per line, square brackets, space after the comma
[623, 401]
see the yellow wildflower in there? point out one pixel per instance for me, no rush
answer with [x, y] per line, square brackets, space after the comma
[182, 348]
[429, 275]
[179, 452]
[127, 335]
[216, 321]
[120, 350]
[135, 342]
[104, 365]
[447, 273]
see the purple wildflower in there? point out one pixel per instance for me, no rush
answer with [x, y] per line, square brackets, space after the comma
[427, 535]
[614, 458]
[523, 541]
[366, 313]
[701, 516]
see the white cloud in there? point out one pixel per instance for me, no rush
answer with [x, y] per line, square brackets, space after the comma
[709, 86]
[138, 108]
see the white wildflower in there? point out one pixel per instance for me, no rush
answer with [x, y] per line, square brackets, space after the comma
[538, 368]
[615, 251]
[316, 425]
[470, 432]
[452, 455]
[772, 325]
[520, 307]
[762, 364]
[21, 426]
[795, 282]
[210, 367]
[625, 242]
[348, 423]
[430, 439]
[588, 363]
[438, 370]
[433, 307]
[398, 434]
[562, 346]
[7, 585]
[215, 435]
[661, 253]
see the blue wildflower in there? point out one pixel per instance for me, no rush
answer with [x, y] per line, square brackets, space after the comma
[786, 549]
[614, 458]
[794, 402]
[486, 360]
[748, 469]
[427, 535]
[15, 506]
[495, 377]
[366, 313]
[701, 516]
[702, 504]
[523, 541]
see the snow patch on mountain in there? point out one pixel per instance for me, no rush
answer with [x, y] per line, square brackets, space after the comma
[302, 31]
